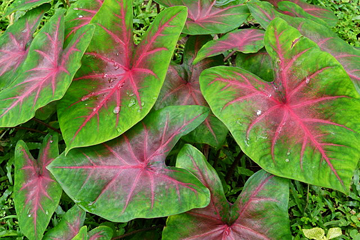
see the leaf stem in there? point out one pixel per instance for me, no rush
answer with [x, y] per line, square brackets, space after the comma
[47, 125]
[233, 166]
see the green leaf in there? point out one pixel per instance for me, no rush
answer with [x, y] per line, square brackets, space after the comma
[100, 233]
[82, 235]
[127, 178]
[334, 232]
[69, 225]
[24, 5]
[295, 126]
[37, 194]
[260, 212]
[119, 82]
[46, 73]
[314, 233]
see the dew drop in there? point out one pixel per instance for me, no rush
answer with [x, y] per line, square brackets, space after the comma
[269, 96]
[81, 16]
[116, 67]
[142, 104]
[47, 213]
[131, 103]
[116, 110]
[105, 75]
[258, 112]
[29, 215]
[246, 142]
[239, 122]
[119, 129]
[288, 153]
[94, 109]
[51, 141]
[307, 80]
[76, 9]
[84, 98]
[117, 54]
[287, 160]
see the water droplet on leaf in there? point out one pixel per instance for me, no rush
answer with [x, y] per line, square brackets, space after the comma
[307, 80]
[287, 160]
[81, 16]
[258, 112]
[116, 110]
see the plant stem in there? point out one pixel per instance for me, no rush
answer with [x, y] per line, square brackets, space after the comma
[47, 125]
[30, 129]
[136, 231]
[233, 166]
[230, 55]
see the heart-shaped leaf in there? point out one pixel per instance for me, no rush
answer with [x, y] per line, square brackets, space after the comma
[69, 225]
[100, 233]
[24, 5]
[295, 126]
[208, 17]
[300, 8]
[14, 44]
[118, 83]
[82, 235]
[260, 212]
[127, 178]
[244, 40]
[46, 73]
[181, 87]
[326, 39]
[37, 193]
[80, 14]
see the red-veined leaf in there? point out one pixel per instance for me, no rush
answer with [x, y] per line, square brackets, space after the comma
[260, 212]
[37, 194]
[118, 83]
[14, 44]
[24, 5]
[127, 178]
[46, 73]
[82, 235]
[300, 126]
[300, 8]
[181, 87]
[259, 63]
[206, 17]
[80, 14]
[69, 225]
[326, 39]
[244, 40]
[100, 233]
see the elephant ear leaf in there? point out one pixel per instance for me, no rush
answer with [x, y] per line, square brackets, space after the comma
[79, 15]
[46, 73]
[291, 127]
[127, 178]
[260, 212]
[118, 82]
[24, 5]
[101, 233]
[300, 8]
[37, 193]
[182, 87]
[208, 17]
[14, 44]
[245, 40]
[69, 225]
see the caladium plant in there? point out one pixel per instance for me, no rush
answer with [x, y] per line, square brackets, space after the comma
[260, 212]
[291, 127]
[118, 82]
[46, 73]
[37, 193]
[127, 178]
[182, 87]
[210, 16]
[14, 44]
[100, 233]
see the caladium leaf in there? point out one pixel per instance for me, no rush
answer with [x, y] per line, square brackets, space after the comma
[127, 178]
[259, 63]
[24, 5]
[291, 127]
[207, 17]
[182, 87]
[244, 40]
[69, 225]
[80, 14]
[46, 74]
[300, 8]
[101, 233]
[118, 83]
[37, 193]
[260, 212]
[82, 235]
[14, 44]
[327, 40]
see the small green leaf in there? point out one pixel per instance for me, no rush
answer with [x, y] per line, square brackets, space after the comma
[314, 233]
